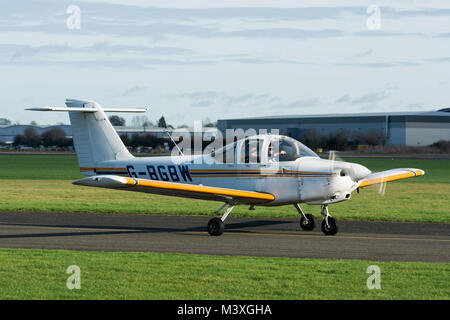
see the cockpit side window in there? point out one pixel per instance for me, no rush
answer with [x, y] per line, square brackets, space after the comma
[225, 154]
[251, 151]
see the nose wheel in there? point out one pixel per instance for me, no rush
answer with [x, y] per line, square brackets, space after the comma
[329, 224]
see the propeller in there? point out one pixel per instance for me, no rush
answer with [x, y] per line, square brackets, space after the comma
[332, 156]
[382, 187]
[355, 171]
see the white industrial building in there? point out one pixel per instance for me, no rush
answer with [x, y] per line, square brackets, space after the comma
[396, 128]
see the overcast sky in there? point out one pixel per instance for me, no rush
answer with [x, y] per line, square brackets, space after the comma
[190, 60]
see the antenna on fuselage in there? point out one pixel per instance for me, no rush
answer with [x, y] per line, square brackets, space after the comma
[176, 145]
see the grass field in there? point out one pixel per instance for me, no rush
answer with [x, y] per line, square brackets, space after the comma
[43, 183]
[48, 179]
[41, 274]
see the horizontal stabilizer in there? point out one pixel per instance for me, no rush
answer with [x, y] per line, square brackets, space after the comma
[137, 110]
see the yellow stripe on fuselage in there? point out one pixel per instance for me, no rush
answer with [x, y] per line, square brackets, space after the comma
[260, 176]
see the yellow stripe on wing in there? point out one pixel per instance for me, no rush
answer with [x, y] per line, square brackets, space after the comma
[199, 189]
[398, 176]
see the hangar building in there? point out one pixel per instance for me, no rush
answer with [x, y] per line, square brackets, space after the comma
[396, 128]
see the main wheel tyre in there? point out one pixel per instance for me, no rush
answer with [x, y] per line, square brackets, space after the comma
[308, 223]
[215, 227]
[331, 229]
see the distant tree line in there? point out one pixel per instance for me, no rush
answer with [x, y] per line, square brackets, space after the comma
[341, 140]
[145, 140]
[144, 121]
[442, 145]
[139, 121]
[52, 137]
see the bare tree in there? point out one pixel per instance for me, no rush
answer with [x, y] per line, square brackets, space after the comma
[337, 141]
[117, 121]
[312, 138]
[374, 138]
[5, 122]
[32, 137]
[141, 121]
[55, 137]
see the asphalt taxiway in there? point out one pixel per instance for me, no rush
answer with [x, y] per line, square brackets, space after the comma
[271, 237]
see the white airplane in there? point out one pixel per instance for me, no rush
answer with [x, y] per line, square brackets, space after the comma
[254, 177]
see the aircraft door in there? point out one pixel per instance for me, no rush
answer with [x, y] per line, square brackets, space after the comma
[249, 163]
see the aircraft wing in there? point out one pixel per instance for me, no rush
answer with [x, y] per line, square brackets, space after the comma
[176, 189]
[390, 175]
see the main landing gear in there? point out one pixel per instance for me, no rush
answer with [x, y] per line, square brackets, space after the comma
[307, 220]
[216, 225]
[329, 225]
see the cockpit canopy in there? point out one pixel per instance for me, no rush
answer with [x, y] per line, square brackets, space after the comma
[263, 149]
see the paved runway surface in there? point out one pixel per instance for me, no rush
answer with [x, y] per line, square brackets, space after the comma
[272, 237]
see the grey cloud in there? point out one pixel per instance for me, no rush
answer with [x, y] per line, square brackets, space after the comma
[393, 13]
[381, 64]
[133, 90]
[203, 103]
[16, 51]
[299, 104]
[117, 63]
[368, 98]
[197, 95]
[372, 97]
[283, 33]
[109, 11]
[364, 53]
[342, 99]
[443, 35]
[441, 59]
[159, 23]
[99, 54]
[207, 98]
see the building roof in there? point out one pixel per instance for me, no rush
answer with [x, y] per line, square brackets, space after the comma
[441, 112]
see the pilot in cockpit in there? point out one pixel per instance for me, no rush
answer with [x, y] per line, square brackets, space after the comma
[278, 156]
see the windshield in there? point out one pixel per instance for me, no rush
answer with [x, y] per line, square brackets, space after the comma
[288, 149]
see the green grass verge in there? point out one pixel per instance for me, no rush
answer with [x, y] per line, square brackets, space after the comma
[402, 202]
[41, 274]
[41, 167]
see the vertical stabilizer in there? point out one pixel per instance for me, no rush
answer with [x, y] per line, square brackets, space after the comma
[95, 139]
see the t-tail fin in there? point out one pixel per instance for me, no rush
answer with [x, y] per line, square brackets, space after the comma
[95, 139]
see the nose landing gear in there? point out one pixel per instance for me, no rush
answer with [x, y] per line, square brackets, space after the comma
[329, 224]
